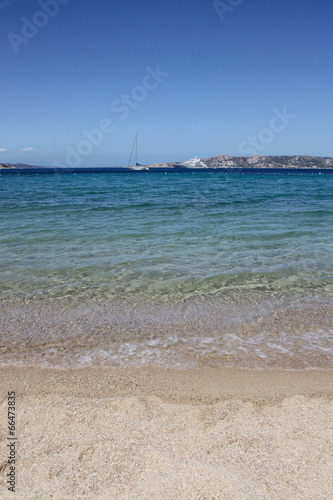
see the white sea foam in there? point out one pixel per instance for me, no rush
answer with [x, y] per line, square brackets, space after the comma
[309, 350]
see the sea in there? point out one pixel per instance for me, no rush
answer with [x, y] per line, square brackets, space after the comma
[167, 268]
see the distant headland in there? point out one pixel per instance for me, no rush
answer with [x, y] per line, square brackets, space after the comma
[257, 161]
[232, 162]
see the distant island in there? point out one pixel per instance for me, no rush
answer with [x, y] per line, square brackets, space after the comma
[225, 161]
[257, 161]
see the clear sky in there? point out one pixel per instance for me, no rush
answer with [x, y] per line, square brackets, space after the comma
[193, 77]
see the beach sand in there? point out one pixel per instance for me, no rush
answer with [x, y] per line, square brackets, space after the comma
[156, 433]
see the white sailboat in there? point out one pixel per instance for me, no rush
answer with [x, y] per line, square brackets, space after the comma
[137, 165]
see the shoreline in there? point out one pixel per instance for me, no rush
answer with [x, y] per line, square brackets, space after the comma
[167, 433]
[286, 331]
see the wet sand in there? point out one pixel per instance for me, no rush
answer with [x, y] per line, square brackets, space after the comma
[156, 433]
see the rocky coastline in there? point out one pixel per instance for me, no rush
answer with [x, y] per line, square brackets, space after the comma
[258, 161]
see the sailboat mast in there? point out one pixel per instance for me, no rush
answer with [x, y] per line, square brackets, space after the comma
[136, 148]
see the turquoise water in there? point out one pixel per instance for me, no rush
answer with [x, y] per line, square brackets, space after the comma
[167, 269]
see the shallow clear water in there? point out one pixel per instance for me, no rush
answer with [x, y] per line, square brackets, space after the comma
[172, 269]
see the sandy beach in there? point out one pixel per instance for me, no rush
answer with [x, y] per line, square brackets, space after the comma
[155, 433]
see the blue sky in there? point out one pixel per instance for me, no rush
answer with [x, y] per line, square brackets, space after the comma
[192, 77]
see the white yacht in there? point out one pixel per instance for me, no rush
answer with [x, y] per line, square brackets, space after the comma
[192, 163]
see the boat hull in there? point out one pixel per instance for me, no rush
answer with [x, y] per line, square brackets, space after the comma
[188, 167]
